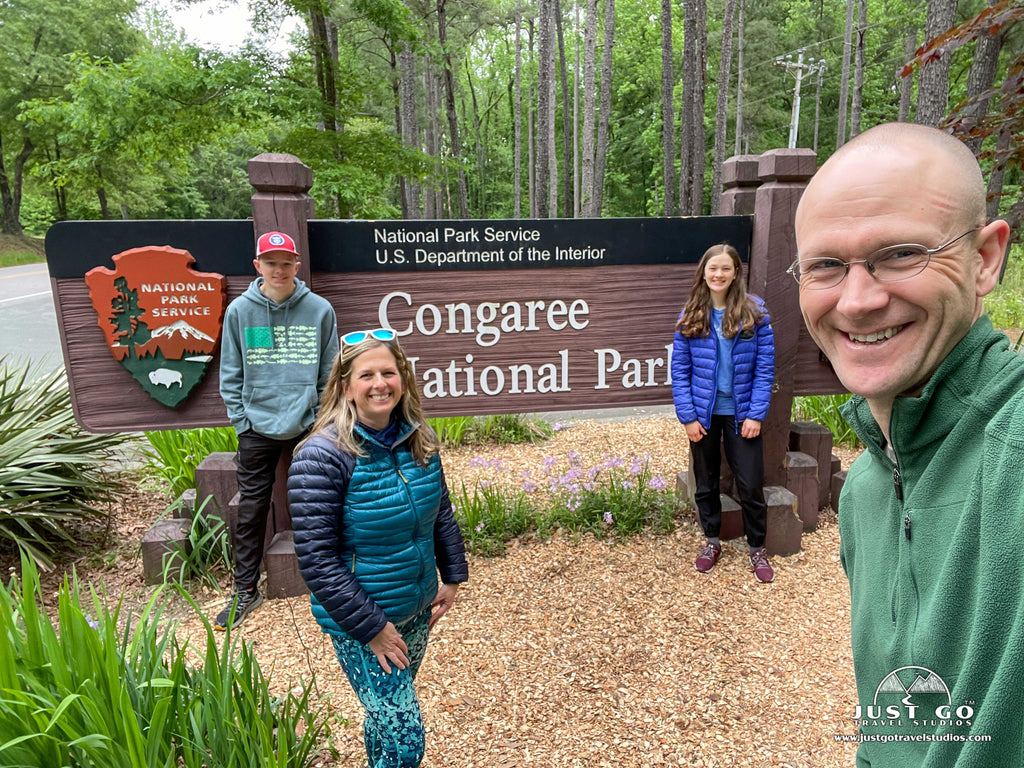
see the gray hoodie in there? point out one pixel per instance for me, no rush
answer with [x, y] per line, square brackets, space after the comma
[275, 360]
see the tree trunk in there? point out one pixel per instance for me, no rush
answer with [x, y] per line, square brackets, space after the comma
[588, 183]
[933, 81]
[101, 194]
[994, 193]
[668, 128]
[10, 199]
[699, 145]
[545, 92]
[410, 130]
[858, 70]
[844, 77]
[576, 77]
[737, 148]
[686, 119]
[326, 66]
[449, 101]
[721, 107]
[517, 173]
[478, 140]
[567, 201]
[606, 108]
[531, 131]
[980, 79]
[907, 83]
[432, 204]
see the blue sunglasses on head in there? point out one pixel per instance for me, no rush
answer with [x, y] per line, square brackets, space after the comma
[380, 334]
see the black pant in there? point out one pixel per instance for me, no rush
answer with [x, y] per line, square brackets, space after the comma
[746, 459]
[258, 457]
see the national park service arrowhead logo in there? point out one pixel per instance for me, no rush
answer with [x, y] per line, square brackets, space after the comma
[161, 318]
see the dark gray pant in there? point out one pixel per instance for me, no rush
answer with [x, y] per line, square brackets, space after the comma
[746, 459]
[258, 457]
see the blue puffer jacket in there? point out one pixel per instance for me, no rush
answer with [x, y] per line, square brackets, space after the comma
[695, 374]
[371, 533]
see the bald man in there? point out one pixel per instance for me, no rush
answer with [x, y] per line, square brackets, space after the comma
[894, 259]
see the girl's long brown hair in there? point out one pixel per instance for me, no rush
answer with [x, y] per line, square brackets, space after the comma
[337, 411]
[742, 312]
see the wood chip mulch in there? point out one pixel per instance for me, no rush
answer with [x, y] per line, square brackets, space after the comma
[578, 652]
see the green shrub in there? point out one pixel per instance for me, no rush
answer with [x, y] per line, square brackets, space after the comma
[504, 429]
[176, 453]
[490, 517]
[1005, 305]
[209, 552]
[618, 497]
[824, 409]
[95, 690]
[53, 475]
[451, 430]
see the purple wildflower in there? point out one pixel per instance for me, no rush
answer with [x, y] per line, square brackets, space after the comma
[659, 483]
[608, 519]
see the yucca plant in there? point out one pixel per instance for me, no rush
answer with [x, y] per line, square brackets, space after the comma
[53, 475]
[95, 690]
[176, 453]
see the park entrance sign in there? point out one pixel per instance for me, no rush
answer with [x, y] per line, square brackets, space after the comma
[522, 316]
[496, 316]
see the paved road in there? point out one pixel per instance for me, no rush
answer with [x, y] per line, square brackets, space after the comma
[28, 320]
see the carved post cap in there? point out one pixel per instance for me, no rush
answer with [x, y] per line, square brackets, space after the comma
[741, 171]
[279, 172]
[787, 164]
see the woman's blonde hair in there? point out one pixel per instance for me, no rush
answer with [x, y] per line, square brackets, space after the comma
[339, 412]
[742, 312]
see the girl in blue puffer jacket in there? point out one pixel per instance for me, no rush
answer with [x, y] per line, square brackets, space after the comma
[373, 529]
[723, 365]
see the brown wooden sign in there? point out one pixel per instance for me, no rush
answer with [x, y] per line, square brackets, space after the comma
[522, 316]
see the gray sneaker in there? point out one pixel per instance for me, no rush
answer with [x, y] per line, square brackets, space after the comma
[238, 607]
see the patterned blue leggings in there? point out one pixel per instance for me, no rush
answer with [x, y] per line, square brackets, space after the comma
[393, 728]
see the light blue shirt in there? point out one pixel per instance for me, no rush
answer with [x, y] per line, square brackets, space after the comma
[724, 405]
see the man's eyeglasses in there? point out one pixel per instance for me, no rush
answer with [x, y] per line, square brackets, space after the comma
[380, 334]
[889, 264]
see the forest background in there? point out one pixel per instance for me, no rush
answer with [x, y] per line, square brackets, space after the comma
[483, 108]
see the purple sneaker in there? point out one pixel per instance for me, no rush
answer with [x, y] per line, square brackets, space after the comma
[759, 563]
[708, 557]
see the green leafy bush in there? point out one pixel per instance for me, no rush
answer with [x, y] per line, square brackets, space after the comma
[53, 475]
[824, 409]
[617, 497]
[1005, 304]
[176, 453]
[209, 552]
[504, 429]
[95, 690]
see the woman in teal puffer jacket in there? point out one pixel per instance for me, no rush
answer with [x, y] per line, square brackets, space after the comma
[373, 527]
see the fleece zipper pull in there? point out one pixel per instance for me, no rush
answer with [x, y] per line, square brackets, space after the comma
[897, 482]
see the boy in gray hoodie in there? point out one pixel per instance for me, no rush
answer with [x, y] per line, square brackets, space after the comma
[278, 344]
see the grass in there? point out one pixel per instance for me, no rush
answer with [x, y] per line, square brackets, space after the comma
[16, 258]
[1005, 304]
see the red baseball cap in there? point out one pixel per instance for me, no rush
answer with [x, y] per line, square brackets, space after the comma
[276, 241]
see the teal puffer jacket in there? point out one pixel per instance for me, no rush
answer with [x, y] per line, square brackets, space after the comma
[371, 533]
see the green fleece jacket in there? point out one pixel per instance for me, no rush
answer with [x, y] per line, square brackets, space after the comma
[932, 541]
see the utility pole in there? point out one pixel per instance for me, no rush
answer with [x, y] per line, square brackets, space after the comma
[800, 67]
